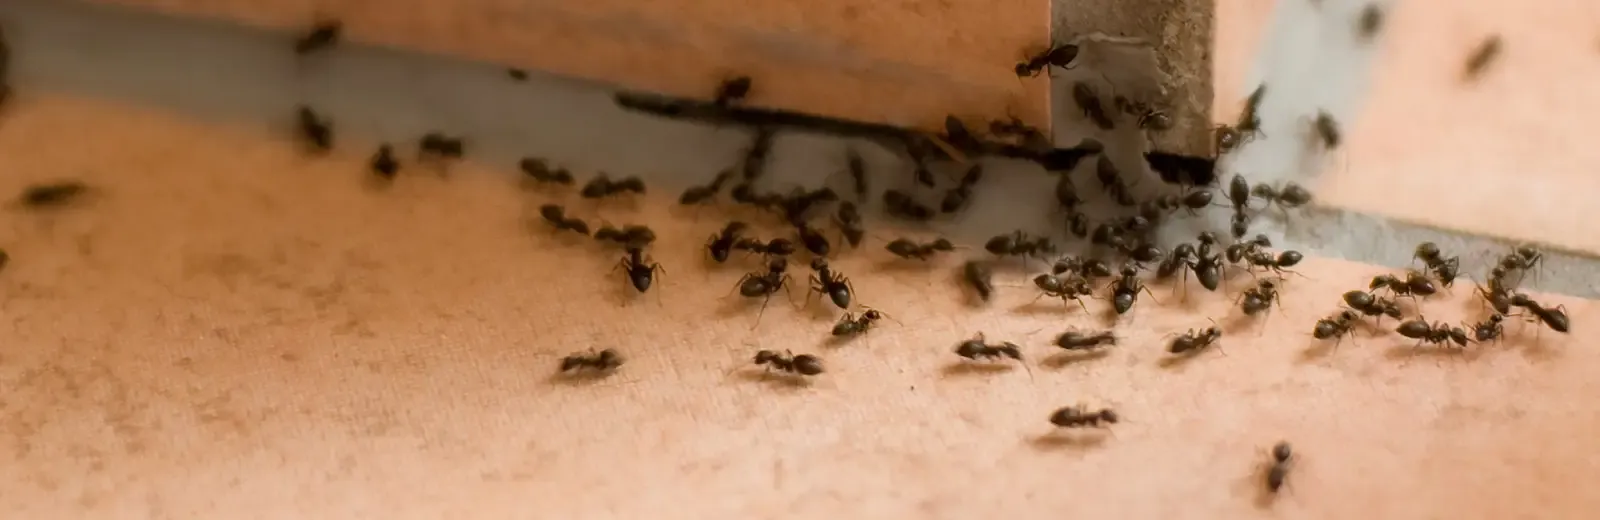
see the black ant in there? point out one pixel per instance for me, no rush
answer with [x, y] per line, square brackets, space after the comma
[743, 193]
[1071, 287]
[900, 204]
[1444, 268]
[315, 130]
[1125, 289]
[632, 235]
[1239, 226]
[1370, 22]
[1290, 196]
[813, 240]
[1327, 130]
[1078, 224]
[980, 276]
[1250, 118]
[59, 193]
[1372, 305]
[1438, 332]
[1079, 417]
[732, 90]
[853, 325]
[975, 348]
[797, 208]
[1497, 295]
[911, 250]
[1018, 243]
[556, 216]
[1089, 101]
[1278, 263]
[848, 219]
[603, 361]
[1282, 460]
[765, 284]
[1180, 259]
[1259, 298]
[1481, 57]
[858, 172]
[956, 198]
[830, 282]
[803, 364]
[1067, 193]
[1105, 171]
[641, 271]
[1191, 202]
[700, 194]
[540, 171]
[1195, 340]
[1241, 251]
[1088, 268]
[602, 186]
[1553, 317]
[1339, 325]
[1074, 340]
[775, 247]
[721, 244]
[1058, 55]
[1414, 284]
[1239, 193]
[755, 158]
[517, 74]
[383, 162]
[1208, 270]
[1523, 258]
[1490, 328]
[323, 35]
[440, 145]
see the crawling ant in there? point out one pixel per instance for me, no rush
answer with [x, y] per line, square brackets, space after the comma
[1018, 243]
[641, 271]
[1240, 251]
[1193, 341]
[900, 204]
[911, 250]
[1078, 224]
[956, 198]
[517, 74]
[830, 282]
[323, 35]
[1067, 192]
[1180, 259]
[1240, 225]
[383, 163]
[1070, 287]
[975, 348]
[1523, 258]
[52, 194]
[1239, 193]
[1338, 325]
[1481, 57]
[1259, 298]
[1372, 305]
[732, 90]
[557, 216]
[1191, 202]
[315, 130]
[1282, 460]
[765, 284]
[803, 364]
[602, 186]
[1277, 264]
[1443, 268]
[1497, 296]
[1125, 289]
[1089, 101]
[848, 219]
[1058, 55]
[980, 276]
[1490, 328]
[1250, 117]
[1370, 22]
[1074, 340]
[1414, 284]
[813, 240]
[858, 172]
[538, 170]
[1553, 317]
[1105, 171]
[774, 247]
[755, 158]
[632, 235]
[1327, 130]
[440, 145]
[721, 244]
[603, 361]
[1088, 268]
[854, 325]
[1079, 417]
[1144, 254]
[1438, 332]
[1288, 197]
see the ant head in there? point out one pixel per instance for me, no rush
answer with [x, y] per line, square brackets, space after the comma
[1108, 415]
[1129, 271]
[1207, 237]
[764, 356]
[1427, 250]
[1021, 69]
[819, 263]
[778, 264]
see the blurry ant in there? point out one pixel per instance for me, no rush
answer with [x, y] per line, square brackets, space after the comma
[1414, 284]
[632, 235]
[1067, 193]
[1327, 130]
[1444, 268]
[602, 186]
[323, 35]
[976, 348]
[848, 219]
[721, 244]
[1089, 101]
[1250, 118]
[1481, 57]
[813, 240]
[1371, 305]
[1438, 332]
[797, 207]
[1553, 317]
[1282, 460]
[1074, 340]
[604, 361]
[1194, 341]
[900, 204]
[315, 130]
[1239, 226]
[641, 271]
[851, 325]
[1241, 251]
[1339, 325]
[802, 365]
[911, 250]
[1521, 259]
[1180, 260]
[830, 282]
[383, 162]
[539, 170]
[701, 194]
[438, 145]
[760, 284]
[1087, 268]
[1288, 197]
[1071, 287]
[1277, 264]
[1058, 55]
[1259, 298]
[1207, 269]
[1191, 202]
[980, 276]
[774, 247]
[754, 164]
[556, 216]
[1155, 120]
[1080, 417]
[732, 90]
[858, 173]
[1239, 193]
[1496, 295]
[1491, 328]
[956, 198]
[1019, 244]
[1125, 289]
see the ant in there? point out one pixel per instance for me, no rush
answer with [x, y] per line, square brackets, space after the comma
[854, 325]
[1282, 460]
[1071, 287]
[1067, 192]
[1083, 267]
[1191, 202]
[1250, 118]
[1371, 305]
[1058, 55]
[910, 250]
[323, 35]
[1490, 328]
[1481, 57]
[383, 162]
[754, 164]
[732, 90]
[796, 207]
[1523, 258]
[1239, 193]
[1327, 130]
[1444, 268]
[803, 364]
[517, 74]
[1438, 332]
[1240, 251]
[602, 186]
[775, 247]
[1240, 224]
[1018, 243]
[848, 220]
[1089, 101]
[603, 361]
[976, 348]
[764, 284]
[980, 276]
[1497, 295]
[813, 240]
[1259, 298]
[900, 204]
[641, 271]
[700, 194]
[721, 244]
[956, 198]
[437, 144]
[830, 282]
[538, 170]
[1339, 325]
[1370, 22]
[1077, 340]
[1078, 417]
[315, 130]
[1414, 284]
[632, 235]
[1288, 197]
[1125, 289]
[52, 194]
[858, 172]
[1180, 259]
[556, 215]
[1277, 263]
[1078, 224]
[1195, 340]
[1553, 317]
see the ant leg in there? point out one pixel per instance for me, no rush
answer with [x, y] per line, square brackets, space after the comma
[1147, 290]
[760, 313]
[1080, 304]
